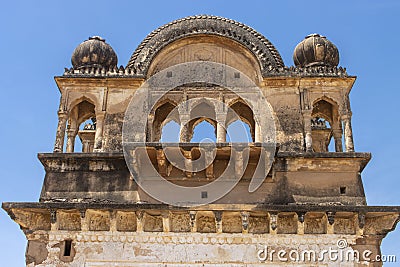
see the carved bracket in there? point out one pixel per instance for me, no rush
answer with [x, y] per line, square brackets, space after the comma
[245, 220]
[331, 217]
[273, 217]
[301, 216]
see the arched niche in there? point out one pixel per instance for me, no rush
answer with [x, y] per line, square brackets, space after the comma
[207, 48]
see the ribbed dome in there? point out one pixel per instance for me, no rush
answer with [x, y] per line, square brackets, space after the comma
[316, 50]
[94, 52]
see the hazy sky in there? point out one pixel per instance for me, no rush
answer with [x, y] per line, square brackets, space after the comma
[38, 38]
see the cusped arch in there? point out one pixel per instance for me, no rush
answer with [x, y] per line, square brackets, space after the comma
[242, 111]
[202, 107]
[330, 100]
[77, 101]
[162, 115]
[333, 117]
[81, 109]
[265, 52]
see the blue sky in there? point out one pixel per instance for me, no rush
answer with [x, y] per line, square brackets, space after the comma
[38, 38]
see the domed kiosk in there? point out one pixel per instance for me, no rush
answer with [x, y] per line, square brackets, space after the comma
[316, 50]
[94, 52]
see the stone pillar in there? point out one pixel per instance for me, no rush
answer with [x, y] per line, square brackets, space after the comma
[368, 247]
[337, 135]
[257, 133]
[71, 133]
[62, 121]
[348, 133]
[99, 132]
[183, 132]
[221, 133]
[307, 130]
[221, 130]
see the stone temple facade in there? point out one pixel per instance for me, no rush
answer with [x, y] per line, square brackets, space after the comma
[94, 212]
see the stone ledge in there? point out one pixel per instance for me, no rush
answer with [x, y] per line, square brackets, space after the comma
[231, 207]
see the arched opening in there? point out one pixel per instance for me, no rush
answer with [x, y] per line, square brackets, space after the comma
[238, 132]
[170, 132]
[325, 124]
[242, 115]
[203, 130]
[81, 122]
[161, 114]
[202, 125]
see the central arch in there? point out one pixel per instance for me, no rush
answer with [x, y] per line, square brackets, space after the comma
[267, 55]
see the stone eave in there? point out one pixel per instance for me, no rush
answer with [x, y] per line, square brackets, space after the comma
[310, 82]
[47, 206]
[98, 81]
[361, 157]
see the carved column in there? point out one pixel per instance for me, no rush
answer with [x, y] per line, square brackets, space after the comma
[221, 133]
[337, 135]
[348, 133]
[183, 132]
[307, 130]
[62, 121]
[71, 133]
[99, 132]
[368, 247]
